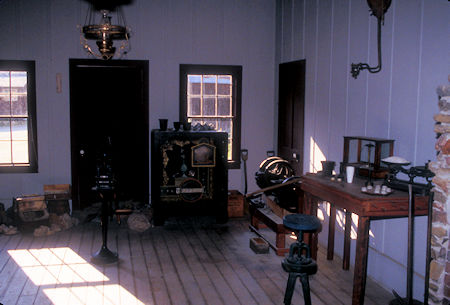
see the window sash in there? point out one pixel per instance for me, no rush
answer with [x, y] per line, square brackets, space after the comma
[220, 86]
[208, 92]
[18, 151]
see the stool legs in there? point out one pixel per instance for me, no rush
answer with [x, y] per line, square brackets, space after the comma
[306, 290]
[291, 285]
[290, 288]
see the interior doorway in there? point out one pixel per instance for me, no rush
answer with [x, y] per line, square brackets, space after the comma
[109, 119]
[291, 113]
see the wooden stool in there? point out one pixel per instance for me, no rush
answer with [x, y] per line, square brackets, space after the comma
[299, 262]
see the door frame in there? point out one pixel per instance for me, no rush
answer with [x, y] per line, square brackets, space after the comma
[297, 92]
[74, 64]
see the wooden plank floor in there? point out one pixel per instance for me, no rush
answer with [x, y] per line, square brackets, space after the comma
[188, 261]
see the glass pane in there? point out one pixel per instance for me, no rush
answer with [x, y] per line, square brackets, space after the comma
[353, 151]
[224, 106]
[209, 106]
[227, 126]
[194, 106]
[19, 105]
[19, 81]
[385, 150]
[20, 151]
[5, 152]
[19, 129]
[224, 85]
[5, 108]
[212, 123]
[230, 141]
[195, 121]
[224, 125]
[4, 82]
[194, 84]
[209, 84]
[5, 129]
[367, 148]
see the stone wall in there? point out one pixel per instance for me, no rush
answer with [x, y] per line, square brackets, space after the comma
[439, 292]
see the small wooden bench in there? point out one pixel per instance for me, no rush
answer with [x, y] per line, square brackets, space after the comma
[264, 217]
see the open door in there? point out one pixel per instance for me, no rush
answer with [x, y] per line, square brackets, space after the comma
[291, 110]
[109, 118]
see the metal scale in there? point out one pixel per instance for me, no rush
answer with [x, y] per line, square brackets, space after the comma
[413, 188]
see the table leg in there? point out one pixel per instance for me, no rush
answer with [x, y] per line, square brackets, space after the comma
[311, 239]
[280, 240]
[362, 250]
[331, 229]
[347, 232]
[315, 235]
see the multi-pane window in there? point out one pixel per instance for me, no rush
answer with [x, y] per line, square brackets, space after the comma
[210, 95]
[17, 109]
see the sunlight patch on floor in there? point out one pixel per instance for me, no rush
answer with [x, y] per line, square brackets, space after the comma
[70, 278]
[87, 295]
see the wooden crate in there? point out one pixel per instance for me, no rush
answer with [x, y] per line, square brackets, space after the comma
[57, 191]
[235, 204]
[57, 197]
[30, 212]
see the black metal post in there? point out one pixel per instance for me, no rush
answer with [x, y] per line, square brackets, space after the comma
[409, 269]
[244, 155]
[104, 255]
[409, 278]
[428, 255]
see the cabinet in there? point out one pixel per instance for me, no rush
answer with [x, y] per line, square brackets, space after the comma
[189, 174]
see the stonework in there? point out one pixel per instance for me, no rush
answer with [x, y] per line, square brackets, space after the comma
[439, 283]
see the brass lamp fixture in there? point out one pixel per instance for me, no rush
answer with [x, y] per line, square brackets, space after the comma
[104, 33]
[378, 8]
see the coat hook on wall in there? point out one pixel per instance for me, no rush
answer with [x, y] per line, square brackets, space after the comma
[378, 8]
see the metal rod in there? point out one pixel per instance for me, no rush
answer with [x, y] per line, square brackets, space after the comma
[244, 155]
[409, 278]
[272, 187]
[428, 255]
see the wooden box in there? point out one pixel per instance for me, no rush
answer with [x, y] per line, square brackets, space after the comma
[30, 212]
[259, 245]
[57, 191]
[57, 197]
[235, 204]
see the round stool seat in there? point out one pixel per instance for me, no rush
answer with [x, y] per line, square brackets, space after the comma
[301, 222]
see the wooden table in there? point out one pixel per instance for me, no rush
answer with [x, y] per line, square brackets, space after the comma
[350, 198]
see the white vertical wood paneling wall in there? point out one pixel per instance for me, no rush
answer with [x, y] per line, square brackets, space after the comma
[397, 103]
[167, 33]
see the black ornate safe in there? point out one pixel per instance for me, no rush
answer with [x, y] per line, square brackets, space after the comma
[189, 174]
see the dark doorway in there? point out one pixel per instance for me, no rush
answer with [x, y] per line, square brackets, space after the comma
[291, 112]
[109, 119]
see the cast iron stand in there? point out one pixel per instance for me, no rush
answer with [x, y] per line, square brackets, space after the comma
[409, 298]
[104, 255]
[413, 172]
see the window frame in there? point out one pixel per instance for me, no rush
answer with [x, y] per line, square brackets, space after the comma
[30, 67]
[236, 72]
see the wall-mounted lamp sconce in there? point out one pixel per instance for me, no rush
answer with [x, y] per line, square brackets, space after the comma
[378, 8]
